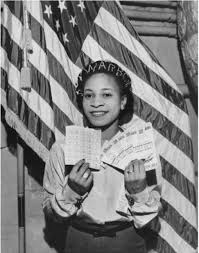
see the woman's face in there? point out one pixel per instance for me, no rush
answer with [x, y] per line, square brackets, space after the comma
[102, 101]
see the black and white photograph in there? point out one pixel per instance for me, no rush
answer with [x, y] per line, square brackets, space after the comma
[99, 126]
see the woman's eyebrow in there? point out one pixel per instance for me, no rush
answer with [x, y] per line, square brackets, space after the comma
[106, 89]
[88, 90]
[101, 89]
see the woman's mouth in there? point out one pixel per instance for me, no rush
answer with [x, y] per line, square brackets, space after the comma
[98, 113]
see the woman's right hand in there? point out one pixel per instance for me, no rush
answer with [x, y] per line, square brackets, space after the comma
[80, 178]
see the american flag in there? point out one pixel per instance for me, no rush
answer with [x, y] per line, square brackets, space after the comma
[66, 36]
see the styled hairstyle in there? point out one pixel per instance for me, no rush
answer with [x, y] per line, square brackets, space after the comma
[121, 77]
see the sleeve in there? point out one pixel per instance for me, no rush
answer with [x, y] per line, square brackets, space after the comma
[60, 201]
[141, 207]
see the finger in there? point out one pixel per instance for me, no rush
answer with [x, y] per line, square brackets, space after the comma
[132, 167]
[135, 165]
[128, 171]
[77, 166]
[83, 169]
[86, 174]
[135, 169]
[142, 171]
[89, 179]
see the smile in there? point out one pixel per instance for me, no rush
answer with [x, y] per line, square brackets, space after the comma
[98, 114]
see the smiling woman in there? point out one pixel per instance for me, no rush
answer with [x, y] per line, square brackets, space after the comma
[90, 199]
[98, 85]
[102, 101]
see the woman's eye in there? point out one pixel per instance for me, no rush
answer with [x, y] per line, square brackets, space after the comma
[88, 96]
[106, 95]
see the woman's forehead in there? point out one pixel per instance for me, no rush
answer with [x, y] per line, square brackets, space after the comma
[100, 81]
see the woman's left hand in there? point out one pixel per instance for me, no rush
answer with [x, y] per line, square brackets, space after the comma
[135, 177]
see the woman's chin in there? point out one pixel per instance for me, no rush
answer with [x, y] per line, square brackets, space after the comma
[102, 124]
[99, 126]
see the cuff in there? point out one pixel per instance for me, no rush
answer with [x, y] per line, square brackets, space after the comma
[150, 204]
[139, 198]
[68, 195]
[66, 202]
[144, 204]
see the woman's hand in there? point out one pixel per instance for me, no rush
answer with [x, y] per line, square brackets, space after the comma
[80, 178]
[135, 177]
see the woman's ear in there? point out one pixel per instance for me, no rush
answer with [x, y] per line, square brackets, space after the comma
[123, 102]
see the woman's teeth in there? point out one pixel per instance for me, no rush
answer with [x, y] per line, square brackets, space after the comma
[98, 113]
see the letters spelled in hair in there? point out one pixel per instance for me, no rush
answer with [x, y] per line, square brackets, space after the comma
[103, 67]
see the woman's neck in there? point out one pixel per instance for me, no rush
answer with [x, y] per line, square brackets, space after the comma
[110, 131]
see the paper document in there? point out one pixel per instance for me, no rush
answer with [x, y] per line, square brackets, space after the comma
[82, 143]
[133, 143]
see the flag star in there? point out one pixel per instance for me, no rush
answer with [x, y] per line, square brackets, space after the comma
[48, 10]
[81, 5]
[65, 39]
[62, 5]
[73, 21]
[57, 25]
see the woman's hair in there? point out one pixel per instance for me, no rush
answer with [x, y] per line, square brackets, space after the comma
[122, 79]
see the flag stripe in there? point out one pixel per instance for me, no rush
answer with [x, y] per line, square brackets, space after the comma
[38, 33]
[76, 34]
[125, 28]
[59, 136]
[72, 71]
[179, 224]
[60, 83]
[175, 241]
[163, 246]
[16, 7]
[61, 120]
[47, 142]
[61, 87]
[60, 76]
[52, 42]
[97, 53]
[179, 181]
[34, 101]
[146, 78]
[10, 21]
[183, 206]
[40, 84]
[14, 53]
[62, 101]
[40, 62]
[43, 90]
[17, 104]
[116, 33]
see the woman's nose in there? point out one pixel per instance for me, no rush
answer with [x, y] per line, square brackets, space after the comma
[97, 101]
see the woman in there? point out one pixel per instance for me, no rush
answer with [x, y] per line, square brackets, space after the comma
[89, 200]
